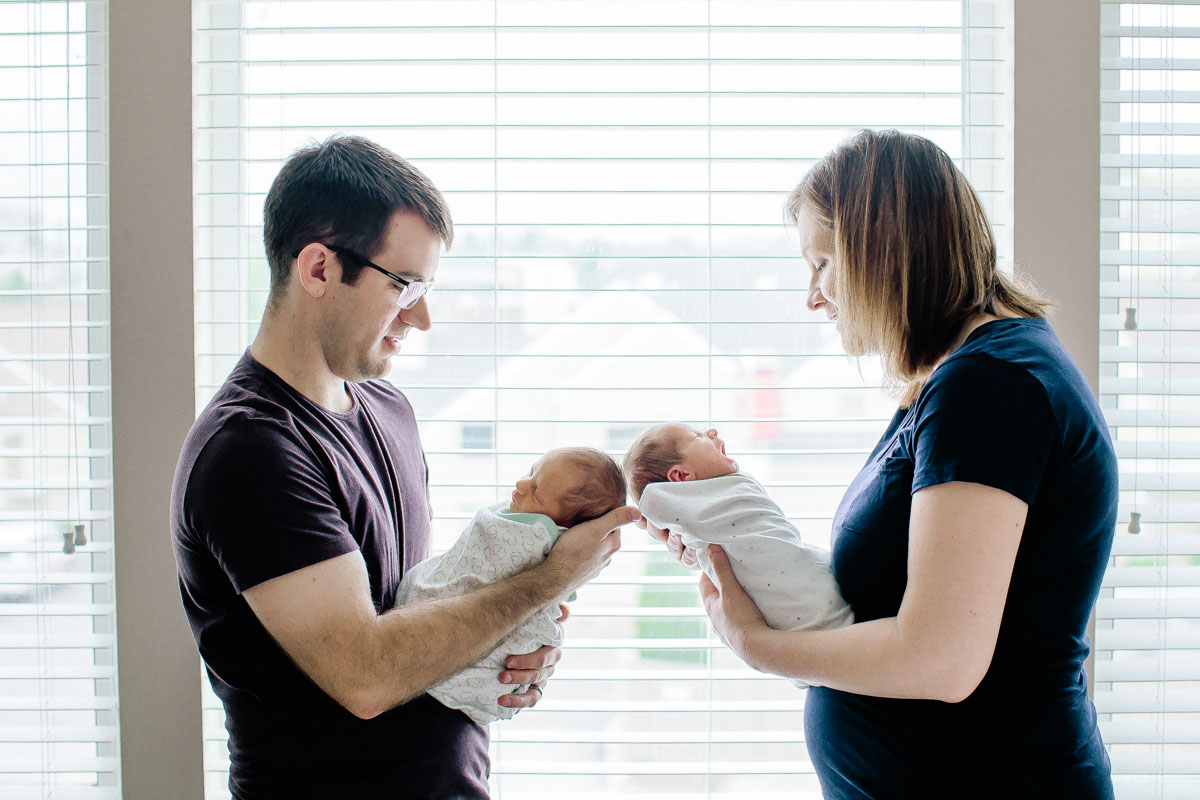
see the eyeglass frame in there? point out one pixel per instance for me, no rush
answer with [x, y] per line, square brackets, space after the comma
[362, 261]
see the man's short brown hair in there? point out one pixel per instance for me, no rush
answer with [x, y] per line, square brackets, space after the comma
[344, 191]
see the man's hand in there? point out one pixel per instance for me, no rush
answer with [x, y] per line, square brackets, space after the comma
[578, 556]
[583, 551]
[674, 544]
[532, 670]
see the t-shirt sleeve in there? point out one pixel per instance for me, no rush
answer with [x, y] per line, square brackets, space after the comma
[260, 501]
[985, 421]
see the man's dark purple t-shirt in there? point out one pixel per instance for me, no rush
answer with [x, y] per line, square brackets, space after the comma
[268, 483]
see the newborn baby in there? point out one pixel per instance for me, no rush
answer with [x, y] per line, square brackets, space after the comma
[565, 487]
[685, 483]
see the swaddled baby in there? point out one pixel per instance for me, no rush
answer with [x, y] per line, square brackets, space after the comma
[684, 482]
[565, 487]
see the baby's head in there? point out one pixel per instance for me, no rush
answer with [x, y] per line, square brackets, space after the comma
[673, 451]
[570, 485]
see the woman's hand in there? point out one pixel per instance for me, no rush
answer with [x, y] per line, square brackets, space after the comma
[674, 544]
[734, 615]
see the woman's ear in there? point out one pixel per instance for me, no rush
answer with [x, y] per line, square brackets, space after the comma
[675, 474]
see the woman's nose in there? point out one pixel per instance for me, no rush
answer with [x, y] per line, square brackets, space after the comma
[815, 298]
[711, 433]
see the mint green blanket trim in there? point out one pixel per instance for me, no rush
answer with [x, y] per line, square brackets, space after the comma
[532, 519]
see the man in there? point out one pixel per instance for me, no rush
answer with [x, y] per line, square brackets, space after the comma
[301, 497]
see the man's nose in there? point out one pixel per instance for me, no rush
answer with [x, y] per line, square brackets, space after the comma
[417, 316]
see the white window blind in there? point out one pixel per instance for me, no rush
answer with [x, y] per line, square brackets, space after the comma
[58, 704]
[616, 172]
[1148, 633]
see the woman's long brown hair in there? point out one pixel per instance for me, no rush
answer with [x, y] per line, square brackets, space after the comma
[914, 253]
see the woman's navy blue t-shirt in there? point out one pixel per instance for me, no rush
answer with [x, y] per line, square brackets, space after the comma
[1010, 410]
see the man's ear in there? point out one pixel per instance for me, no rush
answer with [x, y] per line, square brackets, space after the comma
[675, 474]
[316, 269]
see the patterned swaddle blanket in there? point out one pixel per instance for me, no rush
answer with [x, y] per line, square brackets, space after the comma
[491, 548]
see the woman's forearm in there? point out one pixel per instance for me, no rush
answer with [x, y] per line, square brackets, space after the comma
[877, 658]
[963, 540]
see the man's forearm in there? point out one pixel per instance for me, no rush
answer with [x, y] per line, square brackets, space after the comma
[416, 646]
[322, 616]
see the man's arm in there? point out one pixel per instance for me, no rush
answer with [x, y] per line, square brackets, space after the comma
[323, 617]
[963, 540]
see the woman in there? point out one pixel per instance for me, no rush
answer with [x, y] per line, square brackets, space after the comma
[973, 543]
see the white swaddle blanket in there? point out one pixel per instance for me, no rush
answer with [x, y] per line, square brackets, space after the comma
[490, 549]
[791, 582]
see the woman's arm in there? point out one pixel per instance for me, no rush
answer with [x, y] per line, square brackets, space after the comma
[963, 540]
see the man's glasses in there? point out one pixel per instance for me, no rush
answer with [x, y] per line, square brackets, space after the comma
[412, 292]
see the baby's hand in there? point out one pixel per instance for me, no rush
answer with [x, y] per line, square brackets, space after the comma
[674, 543]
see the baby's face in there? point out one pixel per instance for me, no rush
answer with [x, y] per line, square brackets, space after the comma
[702, 455]
[542, 491]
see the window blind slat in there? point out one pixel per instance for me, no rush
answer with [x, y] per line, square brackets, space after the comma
[58, 705]
[580, 145]
[1147, 632]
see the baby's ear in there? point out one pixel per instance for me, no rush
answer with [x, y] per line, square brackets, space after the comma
[675, 474]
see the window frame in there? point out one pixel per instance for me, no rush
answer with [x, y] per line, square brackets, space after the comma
[151, 68]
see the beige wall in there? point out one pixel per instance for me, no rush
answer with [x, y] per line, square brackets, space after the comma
[153, 398]
[1056, 165]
